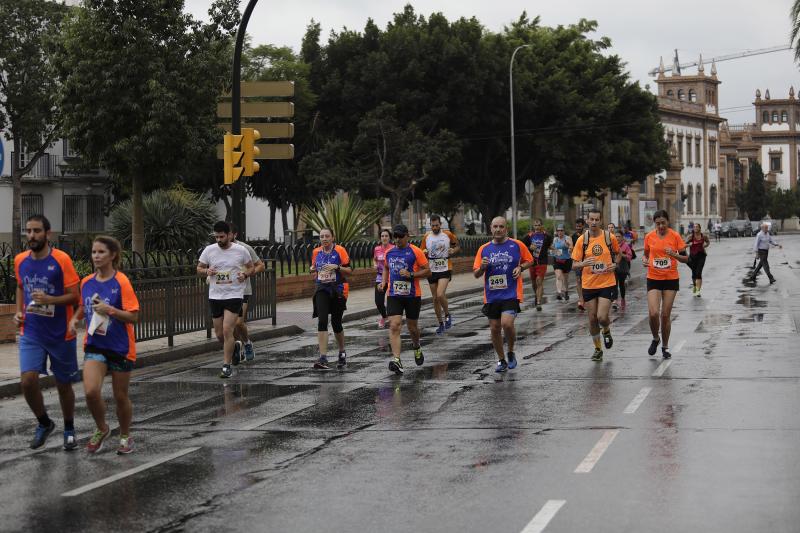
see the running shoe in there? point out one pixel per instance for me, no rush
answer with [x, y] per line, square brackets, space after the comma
[665, 353]
[226, 371]
[237, 352]
[96, 442]
[440, 329]
[614, 305]
[322, 363]
[448, 322]
[694, 289]
[418, 357]
[42, 432]
[566, 296]
[396, 366]
[342, 362]
[772, 280]
[512, 360]
[125, 445]
[581, 307]
[653, 346]
[597, 355]
[538, 306]
[607, 340]
[559, 296]
[249, 353]
[381, 323]
[501, 366]
[70, 443]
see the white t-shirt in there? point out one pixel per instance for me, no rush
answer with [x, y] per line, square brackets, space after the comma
[228, 263]
[248, 289]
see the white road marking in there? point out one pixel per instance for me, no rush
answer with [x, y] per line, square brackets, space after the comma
[597, 452]
[266, 420]
[543, 517]
[637, 401]
[128, 473]
[661, 368]
[679, 346]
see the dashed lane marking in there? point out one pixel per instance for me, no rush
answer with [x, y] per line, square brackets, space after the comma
[266, 420]
[637, 401]
[543, 517]
[661, 368]
[597, 452]
[128, 473]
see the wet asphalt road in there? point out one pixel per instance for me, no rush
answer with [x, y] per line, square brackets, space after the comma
[561, 444]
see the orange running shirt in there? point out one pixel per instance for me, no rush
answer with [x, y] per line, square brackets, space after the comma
[660, 265]
[596, 276]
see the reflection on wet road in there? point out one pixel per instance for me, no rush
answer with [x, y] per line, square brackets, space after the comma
[704, 442]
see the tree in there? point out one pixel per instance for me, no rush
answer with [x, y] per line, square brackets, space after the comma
[795, 33]
[347, 217]
[141, 81]
[753, 199]
[444, 202]
[783, 204]
[28, 88]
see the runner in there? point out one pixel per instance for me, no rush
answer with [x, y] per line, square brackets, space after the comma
[562, 262]
[698, 242]
[597, 253]
[501, 263]
[761, 247]
[438, 246]
[612, 230]
[405, 264]
[662, 247]
[330, 263]
[47, 288]
[378, 260]
[718, 230]
[624, 267]
[240, 333]
[538, 242]
[580, 226]
[111, 308]
[225, 266]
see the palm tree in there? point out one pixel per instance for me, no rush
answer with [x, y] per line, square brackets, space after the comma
[795, 16]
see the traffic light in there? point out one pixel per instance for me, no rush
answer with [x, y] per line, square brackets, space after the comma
[250, 151]
[232, 156]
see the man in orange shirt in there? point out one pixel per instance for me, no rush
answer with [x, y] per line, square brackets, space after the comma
[663, 250]
[597, 253]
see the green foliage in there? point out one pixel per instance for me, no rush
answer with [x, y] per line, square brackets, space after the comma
[83, 267]
[754, 200]
[443, 201]
[175, 219]
[346, 216]
[783, 204]
[524, 226]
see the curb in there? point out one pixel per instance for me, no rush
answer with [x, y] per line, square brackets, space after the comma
[165, 355]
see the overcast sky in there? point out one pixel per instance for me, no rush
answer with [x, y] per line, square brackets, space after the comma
[641, 31]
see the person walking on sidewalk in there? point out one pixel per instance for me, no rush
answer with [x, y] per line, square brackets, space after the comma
[330, 263]
[378, 261]
[624, 267]
[47, 288]
[698, 242]
[580, 226]
[111, 309]
[501, 262]
[761, 247]
[538, 242]
[662, 248]
[439, 246]
[597, 253]
[225, 266]
[562, 262]
[241, 333]
[405, 264]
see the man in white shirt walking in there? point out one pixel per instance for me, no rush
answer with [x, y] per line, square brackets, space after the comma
[761, 247]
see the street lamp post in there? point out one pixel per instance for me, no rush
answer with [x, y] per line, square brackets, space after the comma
[513, 155]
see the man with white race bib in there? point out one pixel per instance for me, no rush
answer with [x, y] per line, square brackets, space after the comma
[439, 245]
[226, 266]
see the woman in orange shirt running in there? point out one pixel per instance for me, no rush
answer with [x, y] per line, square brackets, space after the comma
[663, 247]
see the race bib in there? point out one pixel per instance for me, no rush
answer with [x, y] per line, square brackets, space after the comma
[598, 268]
[401, 288]
[326, 277]
[41, 310]
[498, 282]
[223, 278]
[438, 265]
[662, 264]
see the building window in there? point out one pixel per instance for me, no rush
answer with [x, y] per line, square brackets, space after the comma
[775, 163]
[670, 94]
[689, 152]
[681, 95]
[784, 116]
[680, 149]
[83, 214]
[765, 117]
[698, 161]
[712, 153]
[683, 199]
[32, 204]
[643, 187]
[775, 116]
[712, 200]
[698, 202]
[68, 151]
[692, 95]
[689, 199]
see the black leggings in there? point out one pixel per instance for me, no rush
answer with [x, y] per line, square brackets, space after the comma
[380, 300]
[621, 283]
[697, 262]
[329, 304]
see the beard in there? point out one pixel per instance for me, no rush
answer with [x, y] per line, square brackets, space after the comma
[36, 246]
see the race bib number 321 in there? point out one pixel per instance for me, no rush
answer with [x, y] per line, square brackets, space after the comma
[224, 278]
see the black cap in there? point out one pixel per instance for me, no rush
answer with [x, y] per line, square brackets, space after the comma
[400, 229]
